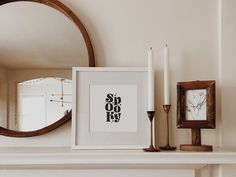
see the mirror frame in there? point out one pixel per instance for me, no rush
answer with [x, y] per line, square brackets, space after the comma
[71, 15]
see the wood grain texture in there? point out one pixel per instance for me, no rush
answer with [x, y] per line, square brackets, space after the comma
[196, 148]
[21, 134]
[196, 136]
[196, 143]
[182, 87]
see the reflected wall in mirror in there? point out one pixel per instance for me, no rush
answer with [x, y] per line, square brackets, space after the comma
[41, 102]
[39, 46]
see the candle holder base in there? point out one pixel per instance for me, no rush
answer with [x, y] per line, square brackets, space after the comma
[151, 148]
[196, 143]
[166, 108]
[167, 148]
[196, 148]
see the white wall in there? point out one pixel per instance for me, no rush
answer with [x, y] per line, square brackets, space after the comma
[228, 80]
[122, 31]
[228, 73]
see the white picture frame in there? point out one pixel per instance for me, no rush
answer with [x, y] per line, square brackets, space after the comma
[91, 128]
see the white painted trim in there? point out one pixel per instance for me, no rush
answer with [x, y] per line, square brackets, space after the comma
[220, 37]
[109, 147]
[56, 158]
[220, 171]
[210, 170]
[73, 128]
[110, 69]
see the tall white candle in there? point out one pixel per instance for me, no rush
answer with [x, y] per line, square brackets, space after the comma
[150, 81]
[166, 76]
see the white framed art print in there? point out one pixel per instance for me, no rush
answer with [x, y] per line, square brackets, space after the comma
[109, 108]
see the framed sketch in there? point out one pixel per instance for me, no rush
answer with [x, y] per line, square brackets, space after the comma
[109, 108]
[196, 104]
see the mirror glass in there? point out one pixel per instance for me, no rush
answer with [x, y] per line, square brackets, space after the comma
[40, 102]
[38, 47]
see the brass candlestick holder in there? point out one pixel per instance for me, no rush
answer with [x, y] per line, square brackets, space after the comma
[167, 147]
[151, 148]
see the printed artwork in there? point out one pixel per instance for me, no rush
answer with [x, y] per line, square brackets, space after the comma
[196, 104]
[113, 108]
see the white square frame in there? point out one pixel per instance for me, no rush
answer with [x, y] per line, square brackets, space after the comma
[142, 87]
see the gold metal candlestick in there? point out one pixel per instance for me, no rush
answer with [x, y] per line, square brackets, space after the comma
[167, 147]
[151, 148]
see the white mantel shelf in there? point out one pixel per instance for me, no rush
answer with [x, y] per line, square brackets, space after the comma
[54, 158]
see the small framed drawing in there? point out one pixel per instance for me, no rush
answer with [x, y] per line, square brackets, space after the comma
[109, 108]
[196, 104]
[196, 110]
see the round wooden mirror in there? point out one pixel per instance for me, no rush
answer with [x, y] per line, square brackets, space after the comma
[41, 40]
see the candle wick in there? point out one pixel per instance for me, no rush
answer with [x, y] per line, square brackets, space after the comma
[166, 45]
[150, 48]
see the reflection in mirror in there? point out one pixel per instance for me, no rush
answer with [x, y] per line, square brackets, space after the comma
[40, 102]
[34, 35]
[38, 47]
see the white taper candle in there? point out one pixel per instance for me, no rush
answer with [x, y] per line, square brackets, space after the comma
[150, 81]
[166, 76]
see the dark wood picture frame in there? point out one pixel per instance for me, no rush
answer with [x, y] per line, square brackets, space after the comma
[182, 87]
[196, 125]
